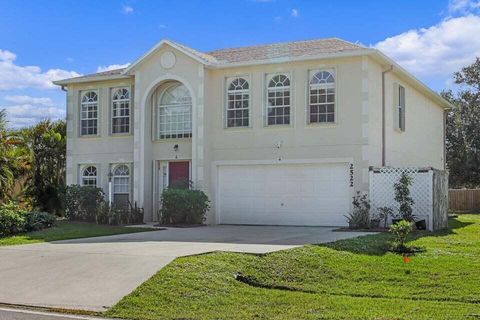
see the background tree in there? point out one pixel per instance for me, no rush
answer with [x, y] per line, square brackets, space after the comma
[47, 144]
[14, 158]
[463, 128]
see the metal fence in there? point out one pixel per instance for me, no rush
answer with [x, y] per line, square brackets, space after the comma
[464, 200]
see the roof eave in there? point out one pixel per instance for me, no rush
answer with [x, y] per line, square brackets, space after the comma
[90, 79]
[413, 80]
[350, 53]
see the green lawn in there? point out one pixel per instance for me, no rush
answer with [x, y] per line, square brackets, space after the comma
[349, 279]
[68, 230]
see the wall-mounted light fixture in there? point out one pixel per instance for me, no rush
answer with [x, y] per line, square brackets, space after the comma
[278, 145]
[175, 148]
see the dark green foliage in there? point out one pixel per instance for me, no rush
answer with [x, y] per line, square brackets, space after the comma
[462, 131]
[84, 203]
[400, 231]
[88, 204]
[402, 196]
[183, 206]
[360, 216]
[12, 219]
[46, 178]
[35, 221]
[384, 213]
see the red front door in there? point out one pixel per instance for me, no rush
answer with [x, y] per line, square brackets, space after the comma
[179, 174]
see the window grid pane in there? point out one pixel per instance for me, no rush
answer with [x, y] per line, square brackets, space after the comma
[238, 96]
[89, 176]
[89, 113]
[322, 98]
[175, 122]
[278, 101]
[121, 111]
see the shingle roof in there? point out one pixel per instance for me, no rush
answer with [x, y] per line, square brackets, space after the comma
[281, 50]
[224, 57]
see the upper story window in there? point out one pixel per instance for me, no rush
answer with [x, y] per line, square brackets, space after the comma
[89, 176]
[401, 108]
[321, 108]
[89, 113]
[278, 100]
[120, 111]
[174, 112]
[121, 184]
[238, 103]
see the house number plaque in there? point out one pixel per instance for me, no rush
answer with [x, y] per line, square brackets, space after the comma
[351, 175]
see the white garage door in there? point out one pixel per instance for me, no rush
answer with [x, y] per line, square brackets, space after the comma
[287, 194]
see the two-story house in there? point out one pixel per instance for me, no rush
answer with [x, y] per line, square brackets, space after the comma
[280, 134]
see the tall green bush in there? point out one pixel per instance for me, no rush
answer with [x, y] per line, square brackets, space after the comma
[84, 203]
[183, 206]
[12, 219]
[402, 196]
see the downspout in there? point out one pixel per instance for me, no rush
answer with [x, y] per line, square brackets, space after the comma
[383, 113]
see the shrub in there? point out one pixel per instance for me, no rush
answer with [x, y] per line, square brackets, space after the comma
[83, 203]
[12, 219]
[39, 220]
[402, 196]
[183, 206]
[360, 216]
[400, 231]
[384, 213]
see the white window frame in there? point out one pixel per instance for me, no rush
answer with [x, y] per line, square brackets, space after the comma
[117, 176]
[325, 86]
[157, 107]
[120, 101]
[269, 89]
[84, 177]
[228, 82]
[87, 105]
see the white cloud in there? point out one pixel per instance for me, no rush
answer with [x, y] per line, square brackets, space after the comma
[23, 115]
[127, 9]
[162, 26]
[30, 100]
[294, 13]
[463, 6]
[13, 76]
[438, 50]
[112, 67]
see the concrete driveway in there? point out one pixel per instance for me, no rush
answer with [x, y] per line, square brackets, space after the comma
[95, 273]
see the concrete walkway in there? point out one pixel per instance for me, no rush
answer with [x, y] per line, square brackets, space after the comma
[95, 273]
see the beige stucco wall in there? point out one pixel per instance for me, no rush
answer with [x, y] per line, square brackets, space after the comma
[103, 150]
[356, 135]
[422, 142]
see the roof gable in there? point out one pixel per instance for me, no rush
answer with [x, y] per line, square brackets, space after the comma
[194, 54]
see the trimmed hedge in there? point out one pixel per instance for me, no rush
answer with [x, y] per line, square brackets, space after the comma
[183, 206]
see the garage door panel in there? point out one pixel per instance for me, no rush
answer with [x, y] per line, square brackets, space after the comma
[290, 194]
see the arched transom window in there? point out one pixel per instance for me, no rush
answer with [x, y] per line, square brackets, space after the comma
[121, 184]
[121, 110]
[322, 97]
[278, 100]
[89, 113]
[89, 176]
[174, 112]
[238, 105]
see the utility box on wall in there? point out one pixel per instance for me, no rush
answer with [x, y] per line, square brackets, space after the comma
[429, 191]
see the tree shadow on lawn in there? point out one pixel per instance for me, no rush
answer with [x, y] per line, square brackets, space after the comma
[379, 244]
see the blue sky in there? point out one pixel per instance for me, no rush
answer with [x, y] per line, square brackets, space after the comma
[47, 40]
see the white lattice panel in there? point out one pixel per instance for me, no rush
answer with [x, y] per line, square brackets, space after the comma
[382, 190]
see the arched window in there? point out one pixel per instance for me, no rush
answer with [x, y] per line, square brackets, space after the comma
[278, 100]
[322, 97]
[121, 184]
[89, 176]
[89, 113]
[238, 106]
[174, 112]
[121, 111]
